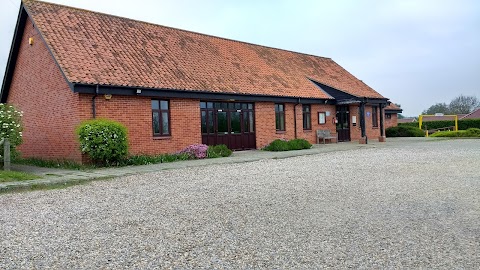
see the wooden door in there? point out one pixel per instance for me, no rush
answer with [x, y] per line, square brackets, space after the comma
[343, 123]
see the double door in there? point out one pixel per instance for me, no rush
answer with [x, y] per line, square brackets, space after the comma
[229, 123]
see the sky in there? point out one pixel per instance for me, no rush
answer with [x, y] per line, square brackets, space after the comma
[415, 52]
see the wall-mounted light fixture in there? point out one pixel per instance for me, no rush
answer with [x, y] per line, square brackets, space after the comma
[139, 91]
[107, 96]
[30, 41]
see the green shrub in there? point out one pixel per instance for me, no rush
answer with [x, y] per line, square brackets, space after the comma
[463, 124]
[298, 144]
[294, 145]
[11, 126]
[104, 141]
[220, 150]
[448, 133]
[471, 132]
[283, 145]
[277, 145]
[409, 124]
[404, 131]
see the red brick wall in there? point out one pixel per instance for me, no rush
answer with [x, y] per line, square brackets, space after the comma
[265, 122]
[50, 108]
[372, 132]
[355, 131]
[136, 114]
[392, 122]
[310, 135]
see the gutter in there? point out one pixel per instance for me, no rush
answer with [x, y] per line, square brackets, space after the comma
[94, 114]
[295, 117]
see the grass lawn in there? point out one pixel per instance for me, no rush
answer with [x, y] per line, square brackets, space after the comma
[10, 176]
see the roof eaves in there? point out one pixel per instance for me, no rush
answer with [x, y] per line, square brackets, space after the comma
[12, 56]
[393, 110]
[315, 84]
[198, 94]
[332, 91]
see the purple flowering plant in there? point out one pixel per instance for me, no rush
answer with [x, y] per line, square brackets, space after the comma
[197, 151]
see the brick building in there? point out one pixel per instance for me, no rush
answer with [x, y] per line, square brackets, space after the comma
[391, 115]
[172, 88]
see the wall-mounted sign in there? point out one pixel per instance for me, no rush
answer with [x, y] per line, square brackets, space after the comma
[327, 113]
[322, 118]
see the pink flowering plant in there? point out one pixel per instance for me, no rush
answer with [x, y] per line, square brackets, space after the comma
[196, 151]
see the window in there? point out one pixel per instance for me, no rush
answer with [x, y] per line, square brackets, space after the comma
[280, 117]
[322, 118]
[388, 116]
[307, 117]
[226, 118]
[374, 116]
[161, 117]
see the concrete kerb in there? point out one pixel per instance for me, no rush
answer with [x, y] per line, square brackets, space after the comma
[53, 176]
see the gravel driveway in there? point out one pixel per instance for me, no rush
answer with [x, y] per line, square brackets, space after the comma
[404, 206]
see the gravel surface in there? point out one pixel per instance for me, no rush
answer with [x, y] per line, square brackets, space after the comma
[404, 206]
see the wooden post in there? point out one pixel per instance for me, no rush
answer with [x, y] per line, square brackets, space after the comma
[363, 139]
[6, 155]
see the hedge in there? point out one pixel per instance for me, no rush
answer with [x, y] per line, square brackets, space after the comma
[463, 124]
[283, 145]
[471, 132]
[220, 150]
[404, 131]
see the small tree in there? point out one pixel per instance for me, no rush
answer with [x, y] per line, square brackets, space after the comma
[11, 125]
[463, 104]
[437, 108]
[105, 141]
[458, 105]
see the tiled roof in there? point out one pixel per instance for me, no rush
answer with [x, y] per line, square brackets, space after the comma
[438, 118]
[473, 115]
[393, 107]
[407, 120]
[96, 48]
